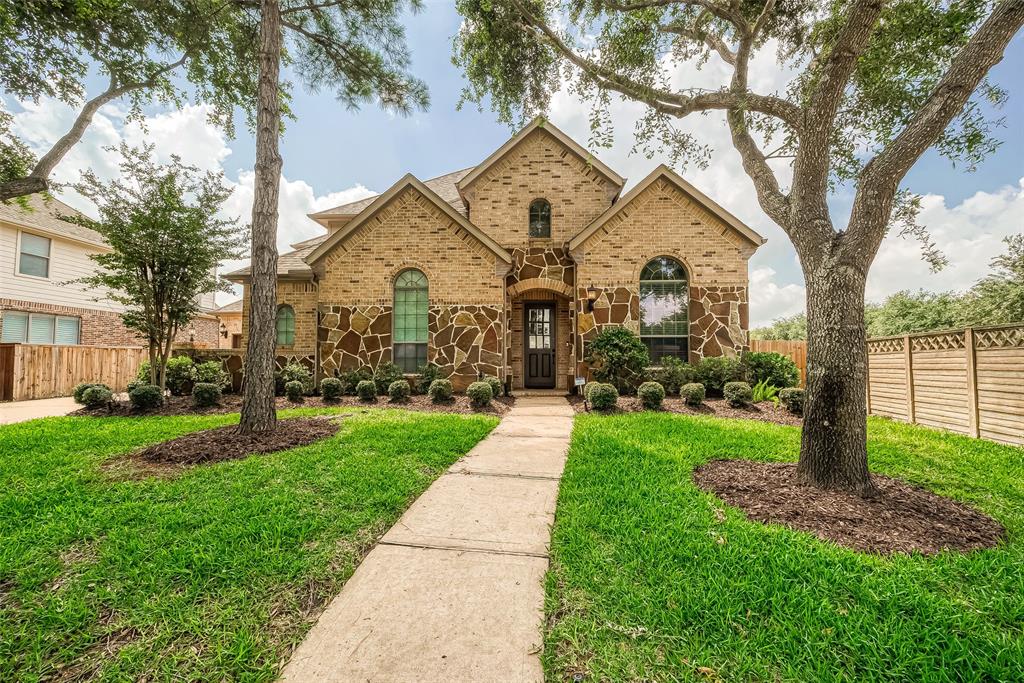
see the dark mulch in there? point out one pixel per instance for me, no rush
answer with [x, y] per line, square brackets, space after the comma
[712, 407]
[232, 403]
[902, 519]
[225, 443]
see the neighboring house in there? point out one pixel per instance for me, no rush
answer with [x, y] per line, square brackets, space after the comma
[509, 268]
[230, 316]
[40, 257]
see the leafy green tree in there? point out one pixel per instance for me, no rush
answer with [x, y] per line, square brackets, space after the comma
[877, 83]
[999, 297]
[906, 312]
[166, 242]
[143, 49]
[791, 327]
[358, 50]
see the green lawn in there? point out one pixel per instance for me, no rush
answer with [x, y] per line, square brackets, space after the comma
[653, 579]
[211, 575]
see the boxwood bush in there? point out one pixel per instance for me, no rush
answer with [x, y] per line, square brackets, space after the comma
[771, 368]
[330, 388]
[440, 390]
[651, 395]
[428, 372]
[714, 372]
[587, 388]
[212, 372]
[480, 394]
[350, 379]
[146, 396]
[692, 394]
[386, 373]
[294, 390]
[604, 396]
[793, 400]
[293, 372]
[738, 394]
[180, 374]
[78, 393]
[205, 394]
[366, 390]
[673, 374]
[97, 396]
[399, 390]
[497, 388]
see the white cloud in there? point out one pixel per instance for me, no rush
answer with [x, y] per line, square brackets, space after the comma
[769, 300]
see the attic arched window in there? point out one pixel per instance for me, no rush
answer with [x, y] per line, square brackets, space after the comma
[409, 346]
[540, 218]
[285, 325]
[664, 309]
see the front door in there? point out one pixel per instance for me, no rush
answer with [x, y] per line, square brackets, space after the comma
[539, 339]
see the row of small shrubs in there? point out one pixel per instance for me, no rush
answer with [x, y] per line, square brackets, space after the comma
[604, 397]
[183, 373]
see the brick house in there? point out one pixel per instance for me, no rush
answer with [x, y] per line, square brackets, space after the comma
[510, 267]
[40, 257]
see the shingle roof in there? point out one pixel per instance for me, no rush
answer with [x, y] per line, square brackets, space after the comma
[43, 216]
[288, 263]
[446, 187]
[233, 307]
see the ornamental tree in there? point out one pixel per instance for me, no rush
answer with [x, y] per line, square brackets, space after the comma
[166, 241]
[876, 83]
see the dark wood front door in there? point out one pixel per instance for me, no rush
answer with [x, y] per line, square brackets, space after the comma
[539, 342]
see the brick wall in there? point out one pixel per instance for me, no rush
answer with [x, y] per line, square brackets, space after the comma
[302, 296]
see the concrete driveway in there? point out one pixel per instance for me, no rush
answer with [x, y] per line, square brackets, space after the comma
[19, 411]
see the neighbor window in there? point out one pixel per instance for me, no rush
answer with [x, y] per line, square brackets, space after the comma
[664, 309]
[40, 328]
[34, 257]
[410, 342]
[540, 218]
[285, 325]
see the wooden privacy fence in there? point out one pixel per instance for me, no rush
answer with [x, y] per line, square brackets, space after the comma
[969, 381]
[30, 371]
[795, 349]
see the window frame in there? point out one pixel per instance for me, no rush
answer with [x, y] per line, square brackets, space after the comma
[277, 323]
[540, 201]
[419, 348]
[31, 315]
[684, 283]
[48, 258]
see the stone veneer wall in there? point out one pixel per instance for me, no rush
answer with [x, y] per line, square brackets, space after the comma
[353, 336]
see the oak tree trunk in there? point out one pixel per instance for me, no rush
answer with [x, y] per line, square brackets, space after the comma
[258, 411]
[833, 447]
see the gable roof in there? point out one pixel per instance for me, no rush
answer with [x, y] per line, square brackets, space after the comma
[540, 123]
[233, 307]
[407, 181]
[290, 264]
[686, 188]
[444, 185]
[44, 216]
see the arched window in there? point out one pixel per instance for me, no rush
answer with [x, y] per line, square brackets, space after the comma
[285, 325]
[540, 218]
[410, 323]
[664, 309]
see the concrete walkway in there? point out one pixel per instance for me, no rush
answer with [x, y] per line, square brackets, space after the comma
[454, 591]
[19, 411]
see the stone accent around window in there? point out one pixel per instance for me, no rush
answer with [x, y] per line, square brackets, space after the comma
[351, 337]
[465, 342]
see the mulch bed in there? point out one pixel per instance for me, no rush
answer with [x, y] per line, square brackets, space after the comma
[232, 403]
[712, 407]
[225, 443]
[902, 519]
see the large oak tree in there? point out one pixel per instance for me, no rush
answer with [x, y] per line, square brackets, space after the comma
[877, 83]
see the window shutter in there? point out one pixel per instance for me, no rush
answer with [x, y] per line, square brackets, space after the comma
[67, 331]
[15, 327]
[40, 329]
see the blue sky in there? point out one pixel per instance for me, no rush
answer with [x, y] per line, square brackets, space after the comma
[332, 155]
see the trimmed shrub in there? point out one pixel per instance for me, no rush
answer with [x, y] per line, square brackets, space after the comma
[293, 372]
[441, 390]
[497, 388]
[385, 374]
[399, 390]
[427, 374]
[793, 400]
[97, 396]
[146, 396]
[693, 394]
[205, 394]
[673, 374]
[135, 384]
[78, 393]
[366, 390]
[714, 372]
[651, 395]
[738, 394]
[587, 388]
[330, 388]
[480, 394]
[771, 368]
[212, 372]
[350, 379]
[618, 357]
[180, 375]
[294, 390]
[604, 397]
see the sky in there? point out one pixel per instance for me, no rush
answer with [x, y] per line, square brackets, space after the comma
[333, 156]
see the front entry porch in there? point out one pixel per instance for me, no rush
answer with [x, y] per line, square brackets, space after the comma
[541, 346]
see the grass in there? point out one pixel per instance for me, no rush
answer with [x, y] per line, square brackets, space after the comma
[653, 579]
[211, 575]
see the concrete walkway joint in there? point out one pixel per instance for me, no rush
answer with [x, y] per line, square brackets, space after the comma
[454, 591]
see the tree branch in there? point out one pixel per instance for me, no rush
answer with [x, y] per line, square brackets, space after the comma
[715, 42]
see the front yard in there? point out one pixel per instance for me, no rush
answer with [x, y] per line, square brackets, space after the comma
[210, 573]
[654, 579]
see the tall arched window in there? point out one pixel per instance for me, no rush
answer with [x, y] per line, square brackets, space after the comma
[664, 309]
[540, 218]
[410, 323]
[285, 325]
